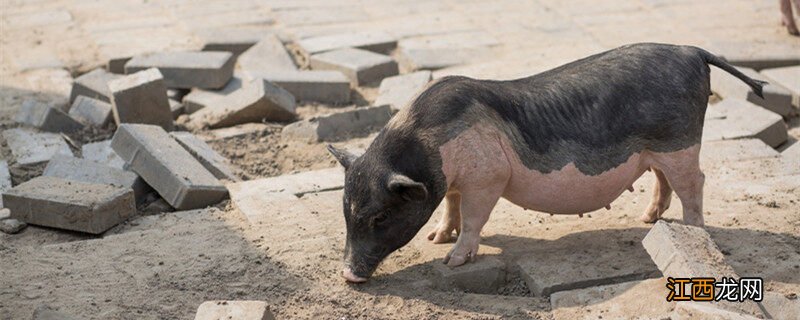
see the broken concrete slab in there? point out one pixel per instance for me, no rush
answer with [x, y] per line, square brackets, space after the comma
[260, 208]
[167, 167]
[238, 131]
[743, 120]
[776, 98]
[101, 152]
[297, 184]
[767, 55]
[71, 205]
[787, 77]
[186, 69]
[30, 147]
[309, 85]
[736, 150]
[686, 310]
[361, 66]
[336, 126]
[91, 112]
[235, 41]
[46, 118]
[268, 55]
[375, 41]
[241, 310]
[210, 159]
[545, 275]
[75, 169]
[200, 98]
[485, 275]
[398, 91]
[5, 179]
[93, 85]
[257, 101]
[644, 298]
[141, 98]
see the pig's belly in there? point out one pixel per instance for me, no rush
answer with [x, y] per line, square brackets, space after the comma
[568, 191]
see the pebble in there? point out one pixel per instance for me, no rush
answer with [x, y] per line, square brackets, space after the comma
[12, 226]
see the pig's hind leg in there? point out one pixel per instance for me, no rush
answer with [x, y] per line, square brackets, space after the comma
[662, 196]
[682, 170]
[451, 219]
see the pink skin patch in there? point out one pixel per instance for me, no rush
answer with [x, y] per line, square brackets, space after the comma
[481, 166]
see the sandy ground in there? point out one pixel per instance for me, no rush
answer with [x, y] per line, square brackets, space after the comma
[163, 266]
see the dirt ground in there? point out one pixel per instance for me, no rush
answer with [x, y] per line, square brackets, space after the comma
[164, 265]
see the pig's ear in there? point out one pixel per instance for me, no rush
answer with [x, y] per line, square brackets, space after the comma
[407, 188]
[343, 156]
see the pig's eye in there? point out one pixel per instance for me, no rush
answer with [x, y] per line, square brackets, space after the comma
[381, 217]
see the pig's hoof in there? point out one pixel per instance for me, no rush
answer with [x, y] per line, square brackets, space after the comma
[457, 257]
[440, 236]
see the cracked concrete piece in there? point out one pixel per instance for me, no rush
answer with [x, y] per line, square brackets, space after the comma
[30, 147]
[378, 42]
[338, 125]
[102, 153]
[644, 298]
[776, 98]
[71, 205]
[743, 120]
[141, 98]
[91, 112]
[240, 310]
[76, 169]
[167, 167]
[210, 159]
[297, 184]
[200, 98]
[789, 78]
[398, 91]
[268, 55]
[256, 101]
[309, 85]
[46, 118]
[186, 70]
[485, 275]
[93, 85]
[360, 66]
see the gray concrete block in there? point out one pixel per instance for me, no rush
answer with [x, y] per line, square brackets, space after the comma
[102, 153]
[46, 118]
[200, 98]
[241, 310]
[180, 179]
[297, 184]
[378, 42]
[186, 70]
[117, 65]
[644, 299]
[257, 101]
[5, 179]
[789, 78]
[71, 205]
[320, 86]
[76, 169]
[764, 56]
[744, 120]
[30, 147]
[93, 85]
[141, 98]
[776, 98]
[91, 112]
[682, 251]
[235, 41]
[340, 125]
[261, 208]
[176, 108]
[485, 275]
[361, 66]
[210, 159]
[398, 91]
[268, 55]
[779, 306]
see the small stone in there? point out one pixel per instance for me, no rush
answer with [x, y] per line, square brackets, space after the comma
[12, 226]
[46, 118]
[91, 112]
[141, 98]
[339, 125]
[361, 66]
[206, 69]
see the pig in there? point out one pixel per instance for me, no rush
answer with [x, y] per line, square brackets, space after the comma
[787, 17]
[566, 141]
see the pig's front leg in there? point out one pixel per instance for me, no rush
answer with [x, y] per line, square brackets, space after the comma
[476, 205]
[451, 219]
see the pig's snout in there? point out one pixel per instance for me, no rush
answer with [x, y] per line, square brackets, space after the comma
[348, 275]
